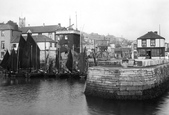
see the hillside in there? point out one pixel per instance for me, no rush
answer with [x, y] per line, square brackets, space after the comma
[113, 39]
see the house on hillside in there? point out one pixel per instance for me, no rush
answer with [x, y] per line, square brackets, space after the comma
[122, 53]
[151, 46]
[102, 44]
[46, 45]
[8, 32]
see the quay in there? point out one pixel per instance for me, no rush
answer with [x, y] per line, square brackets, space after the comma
[146, 80]
[143, 77]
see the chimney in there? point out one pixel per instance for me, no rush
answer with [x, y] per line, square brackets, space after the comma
[155, 32]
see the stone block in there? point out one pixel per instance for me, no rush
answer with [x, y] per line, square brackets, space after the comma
[123, 93]
[131, 88]
[123, 88]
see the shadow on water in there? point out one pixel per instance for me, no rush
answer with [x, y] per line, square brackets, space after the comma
[99, 106]
[65, 97]
[17, 94]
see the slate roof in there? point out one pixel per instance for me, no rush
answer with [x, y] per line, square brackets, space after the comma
[37, 38]
[6, 27]
[151, 35]
[41, 29]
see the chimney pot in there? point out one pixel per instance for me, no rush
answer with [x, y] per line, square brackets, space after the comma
[155, 32]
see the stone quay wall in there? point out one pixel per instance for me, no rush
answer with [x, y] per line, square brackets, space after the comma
[127, 83]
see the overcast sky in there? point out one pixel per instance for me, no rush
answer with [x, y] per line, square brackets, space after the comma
[127, 18]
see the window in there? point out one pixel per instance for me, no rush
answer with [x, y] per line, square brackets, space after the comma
[162, 52]
[2, 54]
[2, 33]
[152, 43]
[55, 44]
[66, 38]
[14, 45]
[2, 45]
[50, 35]
[155, 52]
[144, 44]
[142, 52]
[50, 44]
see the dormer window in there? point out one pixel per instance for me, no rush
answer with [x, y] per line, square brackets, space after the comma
[144, 44]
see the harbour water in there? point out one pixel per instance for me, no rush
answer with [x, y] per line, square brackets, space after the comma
[66, 97]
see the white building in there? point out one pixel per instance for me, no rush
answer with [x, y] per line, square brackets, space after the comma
[151, 46]
[46, 45]
[8, 32]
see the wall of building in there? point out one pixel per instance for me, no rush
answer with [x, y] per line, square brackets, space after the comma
[7, 39]
[158, 43]
[50, 35]
[127, 83]
[69, 39]
[47, 44]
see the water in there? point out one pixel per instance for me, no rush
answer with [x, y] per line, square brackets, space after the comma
[66, 97]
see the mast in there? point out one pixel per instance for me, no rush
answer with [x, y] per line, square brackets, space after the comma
[45, 55]
[80, 43]
[76, 20]
[73, 56]
[59, 60]
[36, 56]
[18, 61]
[31, 59]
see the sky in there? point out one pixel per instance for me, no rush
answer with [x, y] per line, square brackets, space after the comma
[122, 18]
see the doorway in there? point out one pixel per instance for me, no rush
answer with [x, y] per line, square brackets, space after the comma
[148, 54]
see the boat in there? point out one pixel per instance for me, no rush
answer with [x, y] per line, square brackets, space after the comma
[50, 73]
[4, 63]
[83, 64]
[62, 71]
[32, 52]
[9, 64]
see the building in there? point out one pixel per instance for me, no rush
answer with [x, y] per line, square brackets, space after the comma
[46, 45]
[69, 39]
[102, 44]
[47, 30]
[122, 53]
[22, 22]
[8, 32]
[134, 50]
[45, 36]
[166, 50]
[151, 46]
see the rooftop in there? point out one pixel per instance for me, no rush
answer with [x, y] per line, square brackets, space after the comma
[37, 38]
[151, 35]
[7, 27]
[41, 29]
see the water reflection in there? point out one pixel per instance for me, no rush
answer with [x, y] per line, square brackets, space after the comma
[99, 106]
[41, 97]
[65, 97]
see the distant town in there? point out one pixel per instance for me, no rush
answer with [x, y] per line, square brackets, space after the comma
[50, 37]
